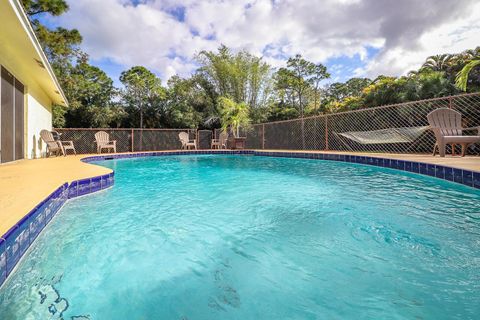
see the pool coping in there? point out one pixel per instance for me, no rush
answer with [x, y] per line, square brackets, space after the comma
[16, 241]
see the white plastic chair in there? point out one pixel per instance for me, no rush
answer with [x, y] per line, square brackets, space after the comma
[221, 142]
[447, 127]
[186, 142]
[103, 142]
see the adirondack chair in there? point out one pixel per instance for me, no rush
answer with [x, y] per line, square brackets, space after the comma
[103, 142]
[66, 145]
[221, 142]
[53, 146]
[447, 127]
[186, 142]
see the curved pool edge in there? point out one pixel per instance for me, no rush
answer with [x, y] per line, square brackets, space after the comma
[16, 241]
[467, 177]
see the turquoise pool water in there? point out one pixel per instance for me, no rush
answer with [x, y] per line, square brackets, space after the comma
[243, 237]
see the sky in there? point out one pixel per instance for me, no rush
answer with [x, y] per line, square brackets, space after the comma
[353, 38]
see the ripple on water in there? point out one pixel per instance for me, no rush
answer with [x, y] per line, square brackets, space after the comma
[222, 237]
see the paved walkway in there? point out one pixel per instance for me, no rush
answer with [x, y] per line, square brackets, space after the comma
[25, 183]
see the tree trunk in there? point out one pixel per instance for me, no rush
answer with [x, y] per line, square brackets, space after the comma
[302, 122]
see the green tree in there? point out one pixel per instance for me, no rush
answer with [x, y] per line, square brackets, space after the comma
[91, 93]
[462, 76]
[319, 74]
[339, 91]
[87, 88]
[61, 45]
[439, 62]
[298, 82]
[143, 91]
[53, 7]
[187, 103]
[240, 76]
[233, 115]
[300, 70]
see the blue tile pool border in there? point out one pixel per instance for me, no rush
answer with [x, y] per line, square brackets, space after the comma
[466, 177]
[469, 178]
[16, 241]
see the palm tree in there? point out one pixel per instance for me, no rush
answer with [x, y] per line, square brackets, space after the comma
[439, 62]
[233, 115]
[462, 77]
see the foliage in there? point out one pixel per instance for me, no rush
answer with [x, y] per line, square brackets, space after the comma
[229, 88]
[187, 102]
[54, 7]
[91, 94]
[88, 89]
[339, 91]
[439, 62]
[241, 76]
[143, 92]
[58, 116]
[462, 76]
[233, 115]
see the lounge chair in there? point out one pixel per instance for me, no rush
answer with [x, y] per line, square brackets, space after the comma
[66, 145]
[53, 146]
[221, 142]
[103, 142]
[447, 127]
[186, 142]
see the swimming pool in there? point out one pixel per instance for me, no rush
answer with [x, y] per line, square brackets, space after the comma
[247, 237]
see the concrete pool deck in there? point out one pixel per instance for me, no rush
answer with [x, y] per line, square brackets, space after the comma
[25, 183]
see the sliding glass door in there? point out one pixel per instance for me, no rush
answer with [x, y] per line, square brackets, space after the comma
[11, 117]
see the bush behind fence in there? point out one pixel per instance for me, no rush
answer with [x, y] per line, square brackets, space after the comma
[321, 132]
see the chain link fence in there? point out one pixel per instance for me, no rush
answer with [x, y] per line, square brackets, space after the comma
[128, 140]
[399, 128]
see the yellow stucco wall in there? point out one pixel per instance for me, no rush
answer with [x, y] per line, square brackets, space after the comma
[38, 117]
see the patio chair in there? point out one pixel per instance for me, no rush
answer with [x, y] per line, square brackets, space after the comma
[186, 142]
[66, 145]
[447, 127]
[53, 146]
[103, 142]
[221, 142]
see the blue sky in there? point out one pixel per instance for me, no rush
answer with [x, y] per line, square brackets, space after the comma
[351, 37]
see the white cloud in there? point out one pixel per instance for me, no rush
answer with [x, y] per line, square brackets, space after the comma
[455, 36]
[148, 34]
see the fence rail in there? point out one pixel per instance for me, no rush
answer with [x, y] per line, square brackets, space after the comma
[323, 132]
[128, 140]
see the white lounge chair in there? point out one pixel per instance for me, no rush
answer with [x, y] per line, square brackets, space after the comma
[103, 142]
[66, 145]
[447, 127]
[56, 146]
[221, 142]
[53, 146]
[186, 142]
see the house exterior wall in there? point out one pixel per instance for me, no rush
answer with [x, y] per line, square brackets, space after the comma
[21, 54]
[37, 114]
[38, 117]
